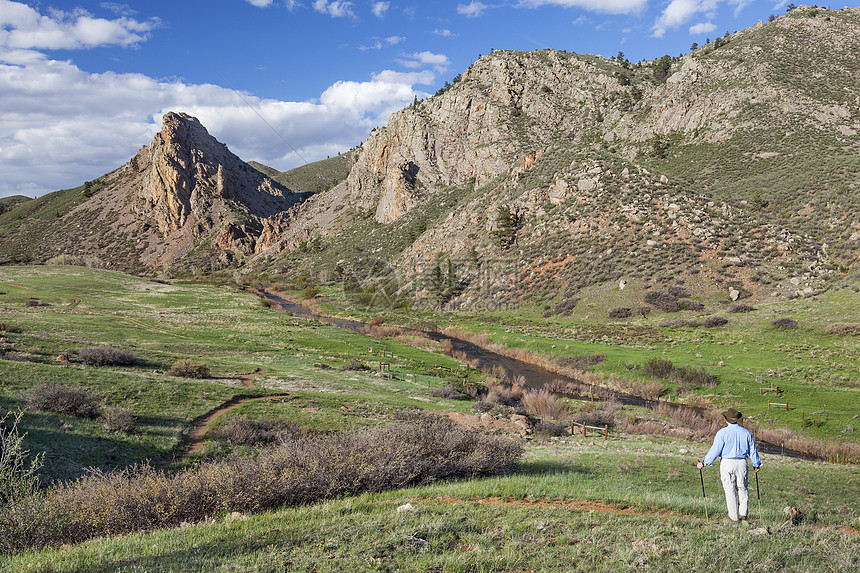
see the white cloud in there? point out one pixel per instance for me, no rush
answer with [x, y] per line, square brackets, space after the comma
[679, 12]
[703, 28]
[260, 3]
[439, 62]
[380, 8]
[334, 9]
[606, 6]
[472, 10]
[379, 44]
[22, 27]
[119, 9]
[445, 33]
[62, 126]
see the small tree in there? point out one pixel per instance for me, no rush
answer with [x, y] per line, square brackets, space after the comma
[18, 477]
[694, 46]
[661, 69]
[508, 223]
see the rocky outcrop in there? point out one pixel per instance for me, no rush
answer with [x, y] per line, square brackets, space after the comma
[655, 167]
[183, 193]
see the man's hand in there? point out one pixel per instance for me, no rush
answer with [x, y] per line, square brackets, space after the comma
[700, 465]
[756, 469]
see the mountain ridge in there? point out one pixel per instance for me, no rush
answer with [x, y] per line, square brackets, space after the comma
[733, 167]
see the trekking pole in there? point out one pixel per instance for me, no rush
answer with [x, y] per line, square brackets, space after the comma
[702, 478]
[758, 496]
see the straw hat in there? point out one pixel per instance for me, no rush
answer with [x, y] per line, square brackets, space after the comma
[732, 416]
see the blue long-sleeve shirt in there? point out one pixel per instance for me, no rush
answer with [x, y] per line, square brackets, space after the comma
[733, 442]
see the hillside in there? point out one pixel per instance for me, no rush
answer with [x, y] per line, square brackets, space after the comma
[537, 174]
[532, 178]
[182, 200]
[629, 499]
[314, 177]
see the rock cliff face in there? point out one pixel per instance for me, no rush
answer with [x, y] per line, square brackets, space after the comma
[182, 200]
[740, 153]
[191, 185]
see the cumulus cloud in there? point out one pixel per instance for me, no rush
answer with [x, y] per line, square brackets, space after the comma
[22, 27]
[380, 8]
[444, 32]
[260, 3]
[702, 28]
[606, 6]
[334, 9]
[439, 62]
[62, 126]
[472, 10]
[679, 12]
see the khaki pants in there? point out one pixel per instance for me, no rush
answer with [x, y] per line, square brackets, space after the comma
[734, 474]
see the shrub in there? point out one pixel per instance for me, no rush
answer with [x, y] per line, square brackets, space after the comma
[544, 404]
[689, 376]
[566, 306]
[678, 291]
[741, 307]
[551, 428]
[119, 420]
[419, 450]
[664, 301]
[843, 328]
[785, 323]
[12, 355]
[9, 328]
[107, 356]
[309, 292]
[620, 312]
[446, 346]
[18, 470]
[687, 304]
[241, 431]
[658, 368]
[353, 364]
[448, 393]
[714, 321]
[65, 400]
[187, 368]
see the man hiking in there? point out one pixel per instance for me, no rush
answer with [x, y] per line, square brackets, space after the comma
[734, 444]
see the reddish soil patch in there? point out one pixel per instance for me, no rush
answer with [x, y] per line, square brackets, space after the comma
[19, 286]
[248, 379]
[476, 421]
[573, 504]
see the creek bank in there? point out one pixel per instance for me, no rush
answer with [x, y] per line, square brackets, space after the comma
[535, 376]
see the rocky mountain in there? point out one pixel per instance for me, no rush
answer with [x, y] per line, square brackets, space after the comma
[536, 174]
[731, 170]
[182, 200]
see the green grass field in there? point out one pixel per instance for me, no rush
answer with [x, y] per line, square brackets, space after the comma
[573, 504]
[626, 504]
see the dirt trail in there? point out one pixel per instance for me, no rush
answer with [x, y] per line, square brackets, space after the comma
[192, 442]
[574, 504]
[19, 286]
[598, 507]
[248, 379]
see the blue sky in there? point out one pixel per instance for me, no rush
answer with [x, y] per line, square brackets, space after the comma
[83, 84]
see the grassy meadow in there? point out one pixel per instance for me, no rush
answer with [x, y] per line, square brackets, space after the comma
[572, 504]
[817, 373]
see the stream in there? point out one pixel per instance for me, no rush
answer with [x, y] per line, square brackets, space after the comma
[535, 376]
